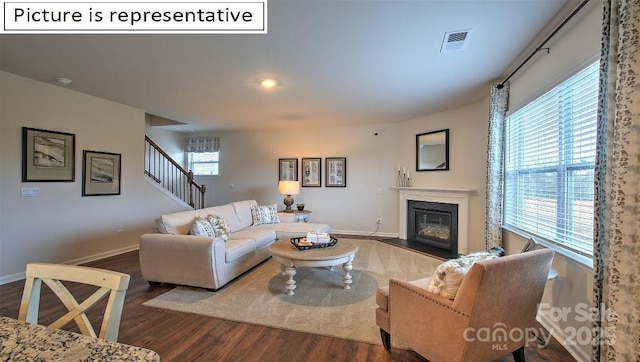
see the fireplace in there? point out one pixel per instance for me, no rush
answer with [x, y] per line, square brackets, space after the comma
[457, 197]
[433, 224]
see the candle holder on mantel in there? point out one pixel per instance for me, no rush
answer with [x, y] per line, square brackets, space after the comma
[403, 180]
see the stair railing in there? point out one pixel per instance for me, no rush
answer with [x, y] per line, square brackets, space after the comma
[162, 169]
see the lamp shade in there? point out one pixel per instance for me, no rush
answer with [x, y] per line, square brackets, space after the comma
[289, 187]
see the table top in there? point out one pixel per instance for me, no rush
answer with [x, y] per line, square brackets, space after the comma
[21, 341]
[294, 211]
[284, 249]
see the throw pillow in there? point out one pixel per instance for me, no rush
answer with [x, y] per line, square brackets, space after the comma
[220, 227]
[201, 227]
[265, 214]
[448, 276]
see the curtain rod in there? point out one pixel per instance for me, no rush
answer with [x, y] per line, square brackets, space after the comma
[541, 47]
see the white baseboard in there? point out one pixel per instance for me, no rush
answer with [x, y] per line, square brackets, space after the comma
[558, 333]
[83, 260]
[365, 233]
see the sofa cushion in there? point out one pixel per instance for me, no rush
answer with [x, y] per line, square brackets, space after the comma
[448, 276]
[237, 248]
[220, 227]
[228, 213]
[382, 294]
[202, 227]
[297, 230]
[260, 236]
[179, 223]
[243, 212]
[265, 214]
[160, 226]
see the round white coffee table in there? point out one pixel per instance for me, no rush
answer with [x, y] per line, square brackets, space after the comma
[291, 258]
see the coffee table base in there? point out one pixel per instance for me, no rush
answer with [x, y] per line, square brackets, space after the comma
[291, 258]
[290, 272]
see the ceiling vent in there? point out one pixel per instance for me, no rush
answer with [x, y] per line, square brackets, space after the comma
[455, 41]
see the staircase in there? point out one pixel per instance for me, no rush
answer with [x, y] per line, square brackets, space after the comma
[168, 174]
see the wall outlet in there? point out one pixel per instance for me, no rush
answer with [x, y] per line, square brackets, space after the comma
[378, 221]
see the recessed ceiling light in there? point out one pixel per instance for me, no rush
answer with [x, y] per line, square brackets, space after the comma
[63, 81]
[268, 83]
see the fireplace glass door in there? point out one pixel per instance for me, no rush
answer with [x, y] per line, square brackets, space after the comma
[433, 224]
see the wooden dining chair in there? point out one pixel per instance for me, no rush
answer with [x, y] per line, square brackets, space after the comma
[109, 282]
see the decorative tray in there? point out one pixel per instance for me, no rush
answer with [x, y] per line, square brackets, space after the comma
[301, 243]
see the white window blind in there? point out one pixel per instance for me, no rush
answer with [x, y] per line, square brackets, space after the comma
[204, 163]
[549, 164]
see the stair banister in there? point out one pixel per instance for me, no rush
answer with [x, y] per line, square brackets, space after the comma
[166, 172]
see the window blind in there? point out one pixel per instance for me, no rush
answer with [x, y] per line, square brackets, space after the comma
[549, 164]
[204, 163]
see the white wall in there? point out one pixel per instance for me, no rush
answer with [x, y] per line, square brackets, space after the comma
[576, 47]
[249, 170]
[60, 225]
[171, 142]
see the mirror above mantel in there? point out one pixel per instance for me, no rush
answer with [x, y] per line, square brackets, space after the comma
[432, 151]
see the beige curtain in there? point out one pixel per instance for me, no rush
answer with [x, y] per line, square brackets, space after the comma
[617, 187]
[498, 103]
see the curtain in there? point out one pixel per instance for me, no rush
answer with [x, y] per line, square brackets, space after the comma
[617, 187]
[202, 144]
[498, 103]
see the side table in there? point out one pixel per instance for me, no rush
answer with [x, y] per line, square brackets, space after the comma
[294, 216]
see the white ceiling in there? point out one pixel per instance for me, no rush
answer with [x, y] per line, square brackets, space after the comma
[339, 62]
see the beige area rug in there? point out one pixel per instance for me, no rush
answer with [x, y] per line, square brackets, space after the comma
[320, 304]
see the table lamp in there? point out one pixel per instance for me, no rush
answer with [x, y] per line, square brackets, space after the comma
[288, 188]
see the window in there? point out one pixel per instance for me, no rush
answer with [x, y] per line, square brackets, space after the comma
[204, 163]
[549, 165]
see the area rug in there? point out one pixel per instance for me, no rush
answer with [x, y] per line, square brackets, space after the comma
[320, 304]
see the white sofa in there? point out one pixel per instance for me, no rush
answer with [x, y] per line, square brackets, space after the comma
[175, 257]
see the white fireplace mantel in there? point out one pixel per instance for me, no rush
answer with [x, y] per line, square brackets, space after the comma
[458, 197]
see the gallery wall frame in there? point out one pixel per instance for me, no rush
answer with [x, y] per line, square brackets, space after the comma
[48, 156]
[432, 151]
[312, 172]
[288, 169]
[336, 172]
[101, 173]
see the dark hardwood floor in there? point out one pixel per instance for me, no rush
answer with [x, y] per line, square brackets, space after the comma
[187, 337]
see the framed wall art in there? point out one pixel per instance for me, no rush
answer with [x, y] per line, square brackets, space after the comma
[432, 151]
[288, 169]
[311, 172]
[47, 156]
[336, 171]
[100, 173]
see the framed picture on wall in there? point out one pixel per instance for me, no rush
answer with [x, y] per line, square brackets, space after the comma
[336, 171]
[47, 156]
[311, 172]
[288, 169]
[100, 173]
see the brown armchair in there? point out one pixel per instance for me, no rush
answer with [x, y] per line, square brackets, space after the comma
[489, 317]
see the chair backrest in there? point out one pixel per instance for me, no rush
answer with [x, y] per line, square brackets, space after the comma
[503, 293]
[108, 282]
